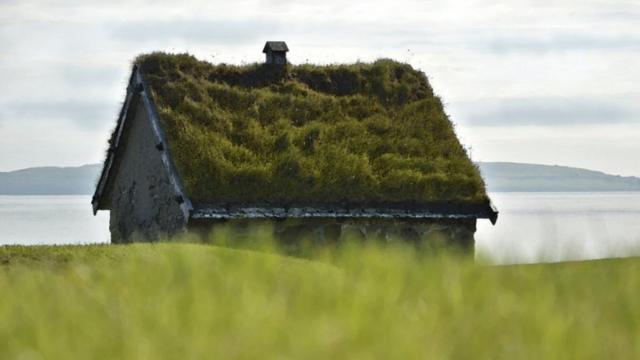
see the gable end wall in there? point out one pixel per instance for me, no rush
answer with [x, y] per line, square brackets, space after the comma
[144, 201]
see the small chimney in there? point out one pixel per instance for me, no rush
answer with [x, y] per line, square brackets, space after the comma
[276, 52]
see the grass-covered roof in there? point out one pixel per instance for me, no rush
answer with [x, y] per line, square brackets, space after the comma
[365, 133]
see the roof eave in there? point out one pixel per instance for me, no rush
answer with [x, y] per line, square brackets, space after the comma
[492, 212]
[269, 46]
[438, 211]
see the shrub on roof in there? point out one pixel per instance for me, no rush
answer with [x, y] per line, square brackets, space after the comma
[369, 133]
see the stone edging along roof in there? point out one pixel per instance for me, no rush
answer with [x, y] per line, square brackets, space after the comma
[435, 211]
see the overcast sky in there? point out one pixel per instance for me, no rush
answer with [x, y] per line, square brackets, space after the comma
[541, 81]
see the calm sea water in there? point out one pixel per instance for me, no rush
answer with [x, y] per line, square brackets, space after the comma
[549, 227]
[533, 227]
[30, 220]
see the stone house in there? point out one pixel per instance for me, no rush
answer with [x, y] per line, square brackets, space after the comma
[170, 168]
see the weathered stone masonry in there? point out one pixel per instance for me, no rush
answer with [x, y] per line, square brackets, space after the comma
[457, 232]
[143, 200]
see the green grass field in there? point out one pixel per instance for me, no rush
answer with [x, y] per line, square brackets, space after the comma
[182, 300]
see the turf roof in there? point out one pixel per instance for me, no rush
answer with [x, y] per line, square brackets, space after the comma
[365, 133]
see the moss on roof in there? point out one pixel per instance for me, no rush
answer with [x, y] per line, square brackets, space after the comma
[365, 133]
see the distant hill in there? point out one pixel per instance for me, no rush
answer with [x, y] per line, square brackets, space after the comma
[499, 176]
[50, 180]
[505, 176]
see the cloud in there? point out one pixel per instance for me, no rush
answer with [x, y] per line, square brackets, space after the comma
[545, 112]
[508, 41]
[84, 115]
[89, 74]
[228, 32]
[541, 64]
[367, 33]
[559, 43]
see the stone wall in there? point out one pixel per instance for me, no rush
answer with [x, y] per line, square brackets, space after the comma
[423, 232]
[144, 204]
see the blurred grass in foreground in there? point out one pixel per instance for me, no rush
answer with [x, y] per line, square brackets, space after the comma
[182, 300]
